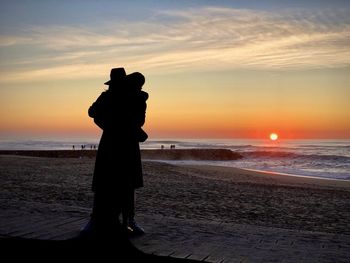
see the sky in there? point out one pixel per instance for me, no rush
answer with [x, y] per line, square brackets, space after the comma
[214, 69]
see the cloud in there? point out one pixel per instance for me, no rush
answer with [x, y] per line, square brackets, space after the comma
[202, 39]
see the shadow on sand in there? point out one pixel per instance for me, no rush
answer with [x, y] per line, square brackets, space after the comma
[113, 250]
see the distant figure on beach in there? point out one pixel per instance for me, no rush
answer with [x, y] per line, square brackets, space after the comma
[120, 112]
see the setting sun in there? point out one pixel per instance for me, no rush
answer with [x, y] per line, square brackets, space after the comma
[273, 136]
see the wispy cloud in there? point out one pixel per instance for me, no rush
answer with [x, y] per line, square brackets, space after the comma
[201, 39]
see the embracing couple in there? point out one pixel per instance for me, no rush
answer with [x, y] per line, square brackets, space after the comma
[120, 112]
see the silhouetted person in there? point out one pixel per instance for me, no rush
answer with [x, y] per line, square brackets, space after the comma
[134, 84]
[137, 98]
[118, 168]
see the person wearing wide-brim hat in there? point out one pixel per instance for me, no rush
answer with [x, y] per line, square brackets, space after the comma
[117, 76]
[118, 160]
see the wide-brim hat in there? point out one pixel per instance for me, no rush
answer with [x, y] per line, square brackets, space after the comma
[117, 75]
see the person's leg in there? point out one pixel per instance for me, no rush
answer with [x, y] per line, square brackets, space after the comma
[125, 214]
[127, 206]
[132, 204]
[136, 229]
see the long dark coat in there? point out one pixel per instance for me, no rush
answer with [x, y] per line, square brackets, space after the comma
[118, 160]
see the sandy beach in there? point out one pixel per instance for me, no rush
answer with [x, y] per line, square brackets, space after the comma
[62, 186]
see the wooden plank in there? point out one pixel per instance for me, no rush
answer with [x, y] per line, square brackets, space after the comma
[52, 228]
[162, 251]
[47, 227]
[199, 256]
[62, 235]
[151, 244]
[180, 254]
[66, 231]
[21, 225]
[7, 221]
[223, 252]
[30, 226]
[217, 256]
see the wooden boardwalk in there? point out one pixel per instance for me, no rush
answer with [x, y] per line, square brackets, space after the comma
[195, 239]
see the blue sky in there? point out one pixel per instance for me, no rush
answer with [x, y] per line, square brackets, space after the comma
[57, 32]
[16, 13]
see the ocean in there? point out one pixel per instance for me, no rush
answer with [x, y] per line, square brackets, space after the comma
[314, 158]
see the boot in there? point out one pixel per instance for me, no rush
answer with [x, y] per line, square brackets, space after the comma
[134, 228]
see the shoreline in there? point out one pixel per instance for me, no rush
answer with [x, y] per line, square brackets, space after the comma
[296, 175]
[257, 171]
[274, 178]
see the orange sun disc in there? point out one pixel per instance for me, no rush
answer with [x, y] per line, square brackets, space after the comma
[273, 136]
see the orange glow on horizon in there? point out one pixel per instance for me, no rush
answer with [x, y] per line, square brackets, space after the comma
[208, 114]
